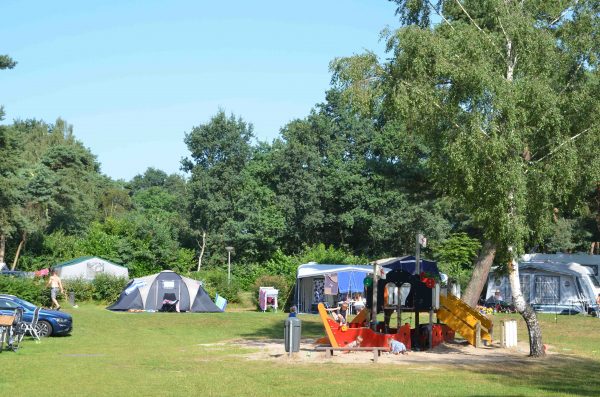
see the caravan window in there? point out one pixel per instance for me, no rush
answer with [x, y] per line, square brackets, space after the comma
[547, 289]
[93, 268]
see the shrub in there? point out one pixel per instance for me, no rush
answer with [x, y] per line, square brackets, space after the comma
[246, 274]
[107, 288]
[215, 281]
[32, 290]
[83, 289]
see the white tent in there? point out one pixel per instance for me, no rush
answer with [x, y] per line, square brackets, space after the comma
[310, 278]
[549, 286]
[88, 267]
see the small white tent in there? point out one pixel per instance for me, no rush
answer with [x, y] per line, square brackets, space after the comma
[88, 267]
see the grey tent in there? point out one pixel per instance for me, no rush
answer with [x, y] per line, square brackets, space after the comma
[149, 293]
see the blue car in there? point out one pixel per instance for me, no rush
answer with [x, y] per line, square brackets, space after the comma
[50, 322]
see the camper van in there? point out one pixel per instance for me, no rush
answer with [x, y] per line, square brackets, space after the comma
[560, 283]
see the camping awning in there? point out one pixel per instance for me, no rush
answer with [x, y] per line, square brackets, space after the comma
[352, 281]
[408, 264]
[315, 269]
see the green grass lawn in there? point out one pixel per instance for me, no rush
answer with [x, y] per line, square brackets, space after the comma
[166, 354]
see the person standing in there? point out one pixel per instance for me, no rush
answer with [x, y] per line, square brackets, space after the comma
[55, 285]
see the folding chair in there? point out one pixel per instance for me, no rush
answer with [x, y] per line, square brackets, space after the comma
[10, 328]
[30, 327]
[169, 303]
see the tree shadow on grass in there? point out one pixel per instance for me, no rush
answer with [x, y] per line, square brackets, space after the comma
[556, 373]
[274, 330]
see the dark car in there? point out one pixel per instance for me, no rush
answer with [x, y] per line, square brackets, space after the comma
[50, 322]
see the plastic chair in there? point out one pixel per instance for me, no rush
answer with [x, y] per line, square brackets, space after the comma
[169, 303]
[30, 327]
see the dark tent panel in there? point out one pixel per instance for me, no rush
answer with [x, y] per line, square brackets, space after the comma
[408, 264]
[168, 283]
[126, 301]
[203, 303]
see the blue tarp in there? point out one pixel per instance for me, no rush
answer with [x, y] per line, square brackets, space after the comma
[349, 282]
[407, 264]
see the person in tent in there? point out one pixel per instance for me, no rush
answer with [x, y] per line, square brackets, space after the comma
[359, 302]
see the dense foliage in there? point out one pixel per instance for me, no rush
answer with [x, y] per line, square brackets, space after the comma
[478, 128]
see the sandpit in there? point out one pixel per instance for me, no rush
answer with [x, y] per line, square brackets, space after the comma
[457, 353]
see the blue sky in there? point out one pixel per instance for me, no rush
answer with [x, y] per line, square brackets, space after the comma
[134, 76]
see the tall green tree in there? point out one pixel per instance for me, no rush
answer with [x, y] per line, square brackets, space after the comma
[504, 94]
[58, 182]
[8, 165]
[219, 152]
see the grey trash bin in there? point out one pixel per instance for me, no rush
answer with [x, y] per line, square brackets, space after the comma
[72, 298]
[291, 334]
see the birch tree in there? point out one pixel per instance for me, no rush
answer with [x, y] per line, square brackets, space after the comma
[504, 93]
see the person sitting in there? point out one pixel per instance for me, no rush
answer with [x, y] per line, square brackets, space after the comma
[495, 299]
[359, 303]
[293, 311]
[339, 313]
[396, 347]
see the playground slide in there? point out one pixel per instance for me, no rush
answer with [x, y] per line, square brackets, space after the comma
[361, 317]
[465, 320]
[326, 323]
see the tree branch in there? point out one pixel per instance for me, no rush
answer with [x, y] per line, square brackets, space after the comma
[468, 16]
[477, 26]
[563, 13]
[440, 14]
[571, 139]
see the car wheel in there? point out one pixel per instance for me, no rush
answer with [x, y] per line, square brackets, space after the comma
[43, 328]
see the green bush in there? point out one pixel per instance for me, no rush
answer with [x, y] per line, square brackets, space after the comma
[215, 282]
[83, 289]
[107, 288]
[32, 290]
[246, 274]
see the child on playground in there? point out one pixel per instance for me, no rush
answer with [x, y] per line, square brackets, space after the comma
[356, 342]
[339, 313]
[396, 347]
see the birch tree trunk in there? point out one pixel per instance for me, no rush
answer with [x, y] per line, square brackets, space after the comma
[536, 347]
[202, 247]
[480, 274]
[2, 247]
[18, 253]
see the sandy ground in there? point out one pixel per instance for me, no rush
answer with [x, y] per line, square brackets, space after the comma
[458, 353]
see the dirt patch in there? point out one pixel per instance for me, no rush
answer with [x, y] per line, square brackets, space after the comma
[446, 353]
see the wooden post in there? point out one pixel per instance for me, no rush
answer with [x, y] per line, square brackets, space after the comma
[478, 334]
[431, 328]
[417, 272]
[374, 300]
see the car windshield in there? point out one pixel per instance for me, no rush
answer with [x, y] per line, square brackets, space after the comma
[25, 304]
